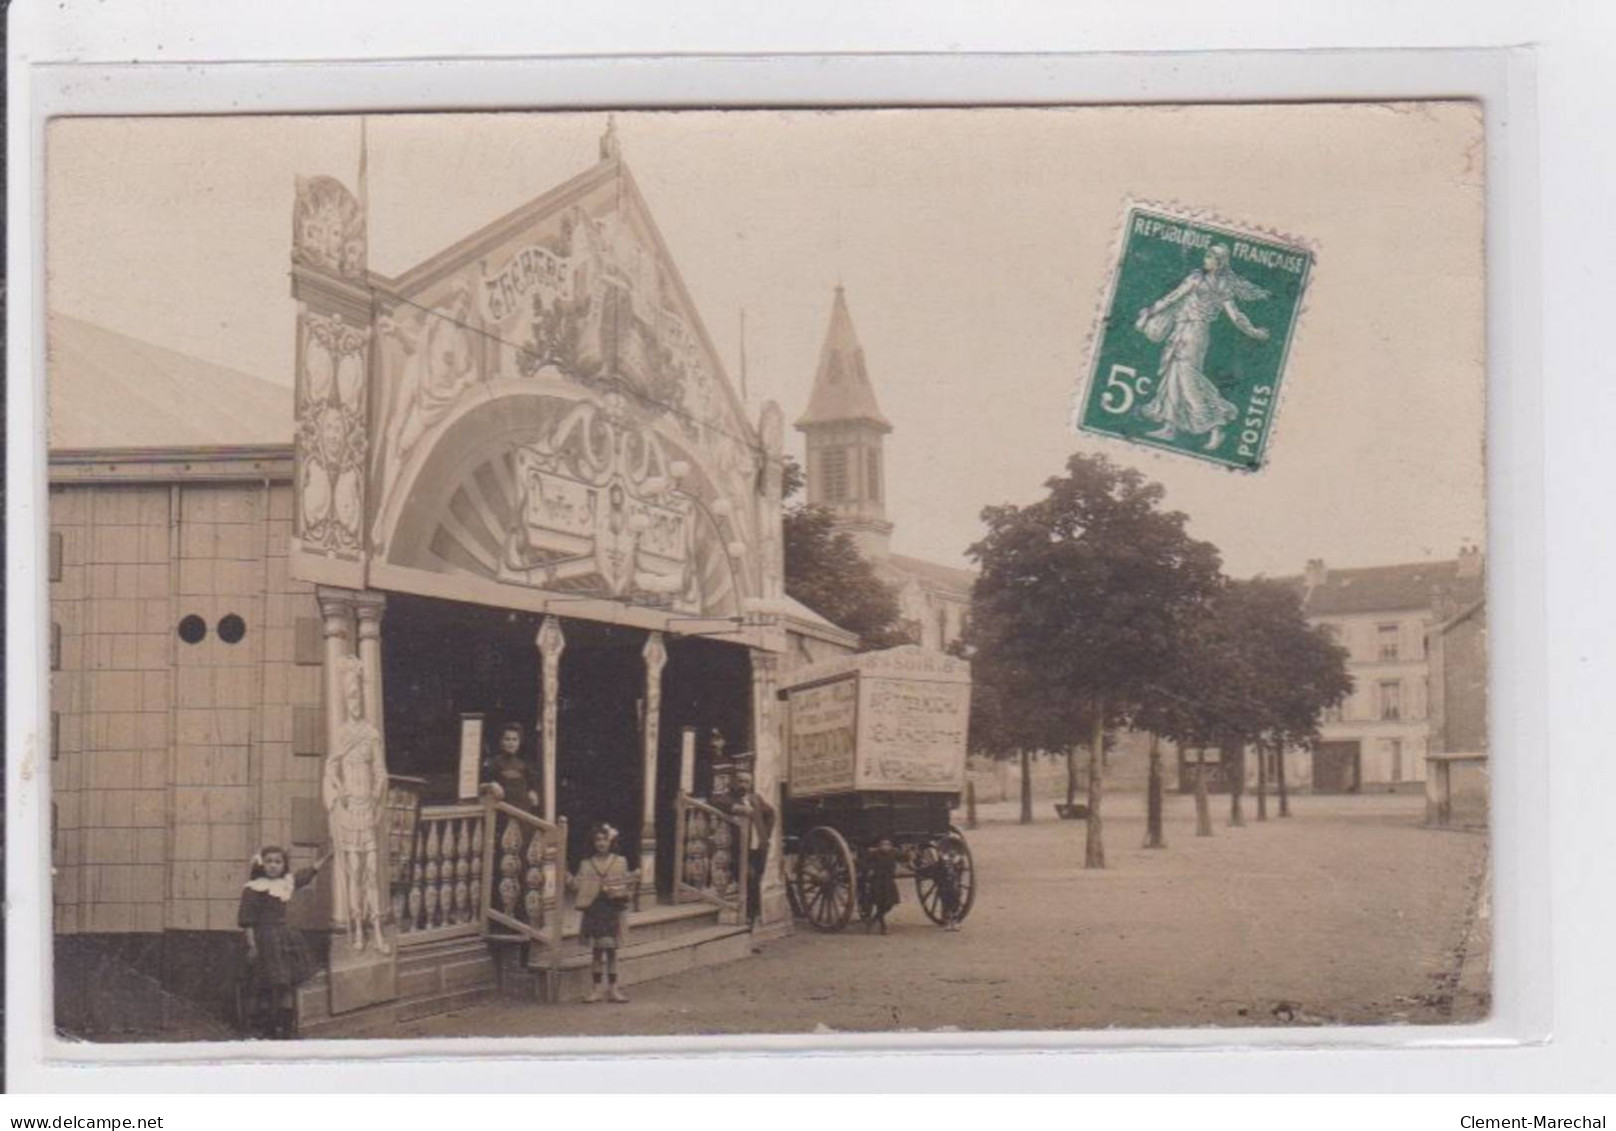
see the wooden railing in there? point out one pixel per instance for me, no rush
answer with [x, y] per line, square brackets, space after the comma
[525, 862]
[443, 895]
[709, 856]
[482, 868]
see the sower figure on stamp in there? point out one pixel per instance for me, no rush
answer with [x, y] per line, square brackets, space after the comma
[354, 790]
[757, 817]
[1185, 399]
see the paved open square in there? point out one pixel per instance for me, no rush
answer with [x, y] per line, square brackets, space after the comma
[1347, 912]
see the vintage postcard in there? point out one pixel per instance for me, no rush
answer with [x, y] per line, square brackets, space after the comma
[741, 572]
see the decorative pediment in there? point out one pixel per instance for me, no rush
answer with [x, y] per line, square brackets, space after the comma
[545, 417]
[578, 284]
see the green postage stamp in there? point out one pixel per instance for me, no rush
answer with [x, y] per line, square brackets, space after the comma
[1194, 337]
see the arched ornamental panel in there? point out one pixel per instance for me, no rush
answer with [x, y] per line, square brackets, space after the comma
[575, 496]
[547, 419]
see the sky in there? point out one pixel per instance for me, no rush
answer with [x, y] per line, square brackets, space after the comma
[974, 246]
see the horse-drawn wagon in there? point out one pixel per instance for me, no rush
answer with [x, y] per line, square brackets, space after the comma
[875, 747]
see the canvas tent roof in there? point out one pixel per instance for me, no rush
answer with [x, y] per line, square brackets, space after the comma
[111, 390]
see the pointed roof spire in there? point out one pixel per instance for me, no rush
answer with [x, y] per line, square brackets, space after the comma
[842, 389]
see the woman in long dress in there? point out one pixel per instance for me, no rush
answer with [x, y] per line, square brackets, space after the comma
[1186, 400]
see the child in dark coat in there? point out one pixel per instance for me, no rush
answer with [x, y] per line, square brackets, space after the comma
[883, 863]
[277, 958]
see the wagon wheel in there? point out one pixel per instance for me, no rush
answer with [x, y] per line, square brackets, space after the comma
[826, 880]
[948, 852]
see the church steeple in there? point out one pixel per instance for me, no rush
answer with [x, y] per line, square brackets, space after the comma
[844, 428]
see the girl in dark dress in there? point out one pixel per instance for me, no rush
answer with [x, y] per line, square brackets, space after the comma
[508, 768]
[277, 958]
[883, 861]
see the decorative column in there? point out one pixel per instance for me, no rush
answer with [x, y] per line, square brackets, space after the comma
[337, 628]
[331, 388]
[656, 658]
[767, 775]
[369, 608]
[362, 966]
[551, 644]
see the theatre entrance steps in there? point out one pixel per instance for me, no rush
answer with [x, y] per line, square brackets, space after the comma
[441, 977]
[661, 940]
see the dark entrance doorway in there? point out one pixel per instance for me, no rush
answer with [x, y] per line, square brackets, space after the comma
[1337, 767]
[442, 659]
[706, 685]
[599, 752]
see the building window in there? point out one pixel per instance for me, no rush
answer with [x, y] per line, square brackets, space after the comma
[833, 474]
[1394, 756]
[1391, 700]
[942, 627]
[55, 647]
[872, 475]
[1386, 634]
[56, 555]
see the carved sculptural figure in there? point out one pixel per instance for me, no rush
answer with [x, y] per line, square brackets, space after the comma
[354, 790]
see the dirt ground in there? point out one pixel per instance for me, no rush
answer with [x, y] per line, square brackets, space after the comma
[1347, 912]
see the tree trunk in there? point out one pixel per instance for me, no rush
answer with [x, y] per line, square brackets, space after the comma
[1234, 768]
[1026, 787]
[970, 803]
[1262, 783]
[1284, 794]
[1094, 848]
[1203, 807]
[1153, 798]
[1071, 776]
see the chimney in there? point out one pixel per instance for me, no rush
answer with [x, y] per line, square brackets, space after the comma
[1470, 561]
[1316, 573]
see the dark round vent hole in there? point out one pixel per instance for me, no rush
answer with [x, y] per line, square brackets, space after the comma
[192, 629]
[232, 628]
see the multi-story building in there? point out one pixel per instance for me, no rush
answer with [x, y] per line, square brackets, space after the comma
[1382, 615]
[846, 473]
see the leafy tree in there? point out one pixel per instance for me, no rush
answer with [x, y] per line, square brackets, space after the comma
[1198, 701]
[1081, 603]
[1300, 671]
[1254, 673]
[825, 571]
[1005, 723]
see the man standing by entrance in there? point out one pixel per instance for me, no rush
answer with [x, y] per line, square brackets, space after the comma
[757, 822]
